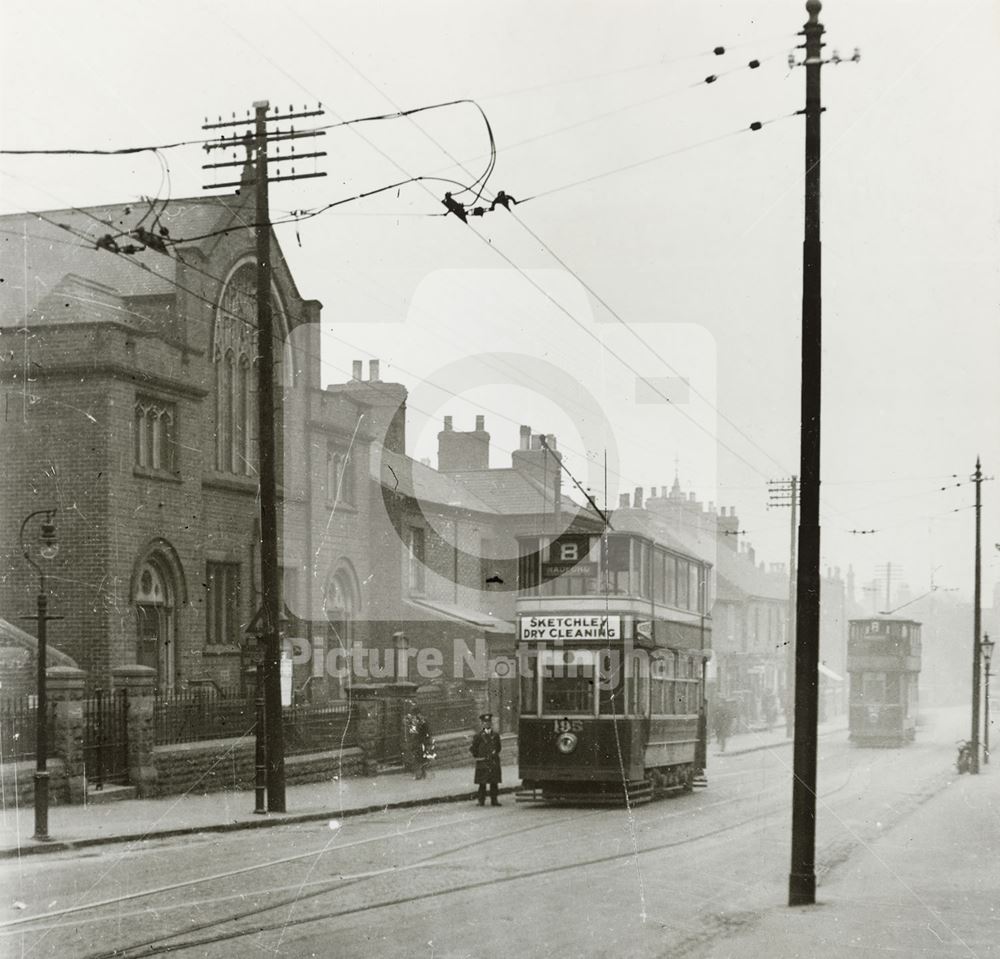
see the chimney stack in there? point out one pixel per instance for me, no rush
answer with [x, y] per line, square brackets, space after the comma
[637, 497]
[373, 371]
[356, 368]
[458, 450]
[525, 438]
[623, 502]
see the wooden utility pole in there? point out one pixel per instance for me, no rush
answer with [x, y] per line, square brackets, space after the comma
[269, 615]
[977, 621]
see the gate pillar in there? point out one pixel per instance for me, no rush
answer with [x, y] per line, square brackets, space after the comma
[65, 685]
[140, 684]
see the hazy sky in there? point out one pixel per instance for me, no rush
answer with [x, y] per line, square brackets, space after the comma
[697, 253]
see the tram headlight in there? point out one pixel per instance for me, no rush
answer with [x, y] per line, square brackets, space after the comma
[566, 743]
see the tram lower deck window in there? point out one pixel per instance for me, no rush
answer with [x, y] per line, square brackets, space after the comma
[570, 692]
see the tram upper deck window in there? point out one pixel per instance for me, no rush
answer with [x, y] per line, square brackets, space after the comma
[567, 680]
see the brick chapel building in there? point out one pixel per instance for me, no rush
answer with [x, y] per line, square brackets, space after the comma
[129, 402]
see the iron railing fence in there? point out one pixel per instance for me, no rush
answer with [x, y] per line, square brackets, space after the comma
[18, 728]
[200, 713]
[203, 713]
[105, 737]
[318, 727]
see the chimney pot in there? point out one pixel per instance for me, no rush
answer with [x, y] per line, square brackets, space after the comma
[536, 442]
[525, 437]
[373, 370]
[550, 438]
[623, 500]
[356, 366]
[480, 424]
[637, 497]
[447, 423]
[663, 491]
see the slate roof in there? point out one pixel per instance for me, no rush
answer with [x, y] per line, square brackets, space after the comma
[14, 636]
[510, 491]
[409, 477]
[44, 248]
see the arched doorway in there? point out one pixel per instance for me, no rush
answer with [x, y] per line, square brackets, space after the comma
[340, 606]
[155, 607]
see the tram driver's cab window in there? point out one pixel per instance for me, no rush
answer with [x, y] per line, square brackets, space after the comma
[873, 687]
[567, 679]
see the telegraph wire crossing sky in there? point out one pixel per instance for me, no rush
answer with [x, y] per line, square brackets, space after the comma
[648, 206]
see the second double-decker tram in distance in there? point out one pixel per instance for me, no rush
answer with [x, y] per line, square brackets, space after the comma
[883, 660]
[613, 637]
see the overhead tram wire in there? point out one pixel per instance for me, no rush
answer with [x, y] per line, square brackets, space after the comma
[236, 141]
[751, 65]
[757, 125]
[563, 309]
[545, 293]
[418, 179]
[277, 338]
[649, 65]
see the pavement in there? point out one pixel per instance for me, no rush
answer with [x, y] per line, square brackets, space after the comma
[140, 820]
[929, 888]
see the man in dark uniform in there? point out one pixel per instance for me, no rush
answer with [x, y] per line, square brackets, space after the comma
[486, 749]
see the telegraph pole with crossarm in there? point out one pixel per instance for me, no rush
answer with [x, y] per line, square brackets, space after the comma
[269, 662]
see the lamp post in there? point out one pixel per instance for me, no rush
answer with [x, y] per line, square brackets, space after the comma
[986, 648]
[47, 548]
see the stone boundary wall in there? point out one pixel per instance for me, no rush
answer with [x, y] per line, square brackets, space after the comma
[220, 764]
[17, 785]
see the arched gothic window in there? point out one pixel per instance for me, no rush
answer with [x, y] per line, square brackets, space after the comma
[234, 355]
[155, 443]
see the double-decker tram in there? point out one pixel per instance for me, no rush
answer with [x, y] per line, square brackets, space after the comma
[883, 660]
[613, 637]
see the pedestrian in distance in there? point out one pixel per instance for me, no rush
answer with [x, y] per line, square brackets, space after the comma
[486, 751]
[722, 722]
[421, 742]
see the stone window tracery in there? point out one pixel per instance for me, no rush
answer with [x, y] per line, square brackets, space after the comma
[234, 356]
[153, 424]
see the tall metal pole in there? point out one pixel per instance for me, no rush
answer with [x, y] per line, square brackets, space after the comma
[269, 569]
[977, 623]
[49, 548]
[41, 723]
[987, 648]
[802, 878]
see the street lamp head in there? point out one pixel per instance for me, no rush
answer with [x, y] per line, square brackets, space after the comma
[987, 649]
[50, 546]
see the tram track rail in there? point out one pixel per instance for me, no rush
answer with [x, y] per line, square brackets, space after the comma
[764, 795]
[160, 944]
